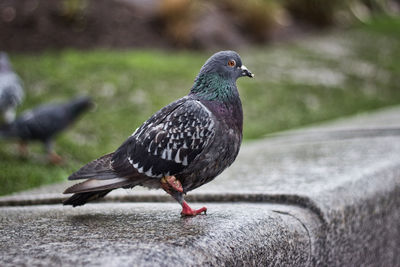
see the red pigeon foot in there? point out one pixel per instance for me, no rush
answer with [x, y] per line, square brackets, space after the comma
[188, 211]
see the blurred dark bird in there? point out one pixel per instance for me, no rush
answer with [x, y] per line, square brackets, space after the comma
[181, 147]
[11, 89]
[43, 123]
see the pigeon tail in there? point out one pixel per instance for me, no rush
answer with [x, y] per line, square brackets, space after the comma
[92, 185]
[99, 169]
[101, 180]
[93, 189]
[81, 198]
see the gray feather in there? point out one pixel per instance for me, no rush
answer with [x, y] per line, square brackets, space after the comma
[92, 185]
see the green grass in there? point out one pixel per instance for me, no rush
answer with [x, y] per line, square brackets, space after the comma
[299, 83]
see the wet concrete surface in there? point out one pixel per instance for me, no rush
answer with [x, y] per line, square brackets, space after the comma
[324, 195]
[149, 234]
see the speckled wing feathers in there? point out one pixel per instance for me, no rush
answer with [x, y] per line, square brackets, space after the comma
[169, 141]
[99, 169]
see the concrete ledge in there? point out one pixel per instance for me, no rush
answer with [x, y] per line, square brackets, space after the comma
[147, 234]
[325, 195]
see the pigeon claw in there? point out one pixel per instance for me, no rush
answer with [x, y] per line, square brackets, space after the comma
[188, 211]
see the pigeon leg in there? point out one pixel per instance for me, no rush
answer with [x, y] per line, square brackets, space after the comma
[51, 154]
[23, 149]
[170, 182]
[173, 186]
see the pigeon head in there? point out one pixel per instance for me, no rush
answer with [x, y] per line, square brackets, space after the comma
[226, 64]
[80, 104]
[4, 62]
[217, 77]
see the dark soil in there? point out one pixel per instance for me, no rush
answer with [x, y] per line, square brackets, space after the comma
[37, 25]
[32, 25]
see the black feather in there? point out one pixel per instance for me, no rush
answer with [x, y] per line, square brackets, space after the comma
[82, 198]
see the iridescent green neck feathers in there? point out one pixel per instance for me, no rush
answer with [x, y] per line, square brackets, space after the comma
[213, 87]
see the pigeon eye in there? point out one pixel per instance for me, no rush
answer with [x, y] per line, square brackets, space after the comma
[231, 63]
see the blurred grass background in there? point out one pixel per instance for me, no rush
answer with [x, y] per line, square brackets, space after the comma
[298, 82]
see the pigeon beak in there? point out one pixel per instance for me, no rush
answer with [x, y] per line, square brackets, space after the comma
[246, 72]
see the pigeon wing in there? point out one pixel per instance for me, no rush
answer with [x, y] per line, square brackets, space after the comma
[168, 142]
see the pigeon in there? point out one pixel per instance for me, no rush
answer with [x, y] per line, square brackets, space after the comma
[181, 147]
[44, 122]
[11, 89]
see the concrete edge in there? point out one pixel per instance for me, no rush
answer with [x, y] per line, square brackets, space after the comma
[293, 200]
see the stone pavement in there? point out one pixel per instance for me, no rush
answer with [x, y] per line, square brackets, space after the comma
[323, 195]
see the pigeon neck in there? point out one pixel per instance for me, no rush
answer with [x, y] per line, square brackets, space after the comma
[213, 87]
